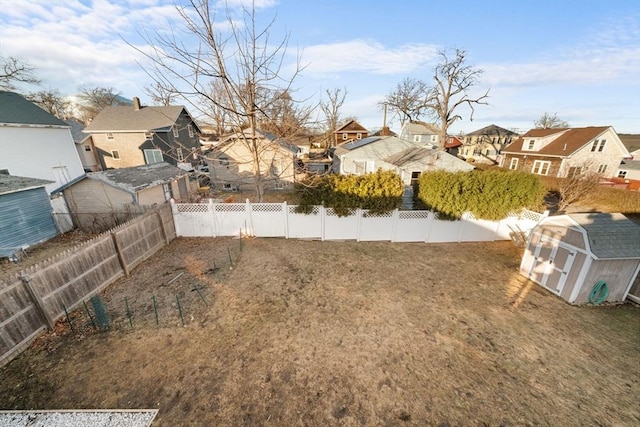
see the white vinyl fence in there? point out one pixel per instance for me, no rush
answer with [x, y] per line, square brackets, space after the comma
[281, 220]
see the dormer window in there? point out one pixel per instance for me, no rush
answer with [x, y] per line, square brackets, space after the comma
[532, 144]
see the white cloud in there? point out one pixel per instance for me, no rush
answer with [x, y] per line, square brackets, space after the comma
[367, 56]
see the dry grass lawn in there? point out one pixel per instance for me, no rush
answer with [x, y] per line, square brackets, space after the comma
[307, 333]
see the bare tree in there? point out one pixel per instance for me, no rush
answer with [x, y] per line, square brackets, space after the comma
[578, 184]
[95, 99]
[407, 100]
[331, 110]
[550, 121]
[282, 115]
[52, 102]
[240, 57]
[14, 71]
[159, 94]
[454, 79]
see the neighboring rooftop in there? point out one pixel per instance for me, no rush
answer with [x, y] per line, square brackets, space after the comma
[16, 110]
[12, 183]
[566, 143]
[492, 130]
[610, 235]
[126, 118]
[138, 178]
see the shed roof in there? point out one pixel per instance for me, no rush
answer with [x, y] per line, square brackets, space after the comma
[610, 235]
[12, 183]
[138, 178]
[16, 110]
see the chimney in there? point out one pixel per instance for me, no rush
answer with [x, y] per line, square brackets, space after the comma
[385, 131]
[136, 103]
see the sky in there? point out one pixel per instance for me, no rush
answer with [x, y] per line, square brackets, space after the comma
[577, 59]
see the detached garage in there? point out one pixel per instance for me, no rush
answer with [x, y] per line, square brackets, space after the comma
[26, 216]
[579, 256]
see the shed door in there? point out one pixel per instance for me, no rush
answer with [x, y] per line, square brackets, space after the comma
[551, 265]
[560, 264]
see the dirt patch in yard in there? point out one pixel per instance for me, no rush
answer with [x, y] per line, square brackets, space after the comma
[339, 333]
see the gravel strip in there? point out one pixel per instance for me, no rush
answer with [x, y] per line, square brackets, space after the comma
[80, 418]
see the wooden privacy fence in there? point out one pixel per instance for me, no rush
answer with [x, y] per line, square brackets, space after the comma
[37, 297]
[281, 220]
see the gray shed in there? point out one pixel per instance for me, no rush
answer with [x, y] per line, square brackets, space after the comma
[26, 216]
[570, 254]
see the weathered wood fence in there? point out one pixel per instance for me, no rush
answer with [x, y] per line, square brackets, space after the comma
[37, 297]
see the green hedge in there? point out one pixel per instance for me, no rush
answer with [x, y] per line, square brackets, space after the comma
[379, 192]
[490, 194]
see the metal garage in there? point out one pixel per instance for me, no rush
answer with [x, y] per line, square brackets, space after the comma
[574, 256]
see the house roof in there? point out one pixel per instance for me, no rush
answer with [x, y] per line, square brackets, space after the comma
[419, 128]
[77, 131]
[568, 141]
[125, 118]
[610, 235]
[410, 155]
[630, 165]
[15, 109]
[492, 130]
[281, 142]
[351, 126]
[453, 142]
[138, 178]
[356, 143]
[12, 183]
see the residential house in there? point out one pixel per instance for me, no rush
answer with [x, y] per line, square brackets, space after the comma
[420, 133]
[484, 145]
[231, 161]
[566, 152]
[26, 216]
[84, 146]
[628, 175]
[406, 158]
[349, 131]
[107, 198]
[36, 144]
[453, 145]
[134, 135]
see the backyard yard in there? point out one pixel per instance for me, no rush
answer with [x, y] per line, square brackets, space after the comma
[280, 332]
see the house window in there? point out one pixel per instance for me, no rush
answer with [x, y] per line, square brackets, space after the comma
[168, 194]
[175, 131]
[190, 128]
[115, 154]
[110, 136]
[602, 168]
[434, 138]
[280, 185]
[87, 148]
[223, 161]
[541, 167]
[359, 135]
[514, 163]
[417, 138]
[148, 135]
[598, 145]
[622, 174]
[344, 136]
[414, 178]
[574, 171]
[152, 156]
[532, 144]
[179, 154]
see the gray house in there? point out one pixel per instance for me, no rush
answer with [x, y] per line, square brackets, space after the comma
[127, 136]
[26, 216]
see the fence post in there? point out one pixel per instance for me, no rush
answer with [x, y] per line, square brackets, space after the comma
[285, 210]
[123, 264]
[37, 301]
[162, 229]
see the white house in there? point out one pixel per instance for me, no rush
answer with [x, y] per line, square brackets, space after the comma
[420, 133]
[36, 144]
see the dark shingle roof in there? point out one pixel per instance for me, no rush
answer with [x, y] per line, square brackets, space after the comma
[12, 183]
[76, 130]
[125, 118]
[15, 109]
[492, 130]
[140, 177]
[610, 235]
[410, 155]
